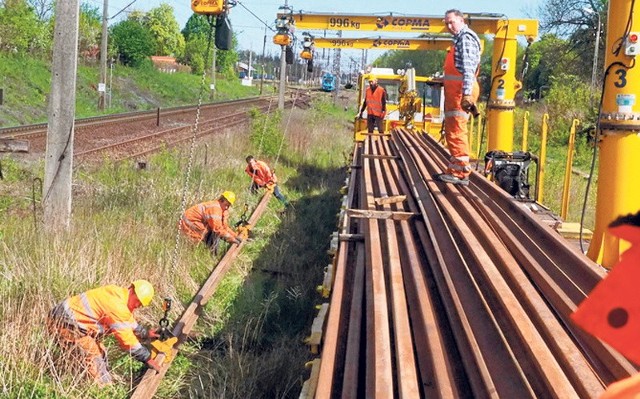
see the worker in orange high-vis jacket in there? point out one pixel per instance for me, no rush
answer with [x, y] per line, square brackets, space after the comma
[461, 93]
[263, 177]
[80, 322]
[207, 222]
[375, 102]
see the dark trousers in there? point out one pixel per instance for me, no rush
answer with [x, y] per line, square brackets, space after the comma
[373, 121]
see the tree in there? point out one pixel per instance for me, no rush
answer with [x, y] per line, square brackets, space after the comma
[90, 30]
[132, 42]
[577, 22]
[162, 24]
[21, 30]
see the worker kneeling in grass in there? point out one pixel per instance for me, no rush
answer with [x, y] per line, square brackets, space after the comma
[80, 322]
[263, 176]
[207, 222]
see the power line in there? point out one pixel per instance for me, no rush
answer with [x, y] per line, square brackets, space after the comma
[258, 18]
[127, 6]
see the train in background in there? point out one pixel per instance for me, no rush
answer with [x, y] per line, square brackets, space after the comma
[328, 82]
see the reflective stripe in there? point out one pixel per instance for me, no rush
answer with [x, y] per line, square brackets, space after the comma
[461, 159]
[122, 326]
[188, 223]
[217, 217]
[453, 77]
[456, 114]
[90, 312]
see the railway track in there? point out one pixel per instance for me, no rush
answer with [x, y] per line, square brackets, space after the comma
[453, 291]
[132, 135]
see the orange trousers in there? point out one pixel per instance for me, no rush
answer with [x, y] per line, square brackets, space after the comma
[455, 130]
[83, 349]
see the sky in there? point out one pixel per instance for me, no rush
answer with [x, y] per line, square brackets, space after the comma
[249, 17]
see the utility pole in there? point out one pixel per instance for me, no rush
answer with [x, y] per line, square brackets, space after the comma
[102, 86]
[264, 46]
[213, 73]
[283, 68]
[56, 197]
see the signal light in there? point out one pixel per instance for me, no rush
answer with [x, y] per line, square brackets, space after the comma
[504, 64]
[631, 46]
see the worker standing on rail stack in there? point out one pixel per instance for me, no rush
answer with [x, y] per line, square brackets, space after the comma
[461, 93]
[375, 102]
[207, 222]
[262, 176]
[79, 323]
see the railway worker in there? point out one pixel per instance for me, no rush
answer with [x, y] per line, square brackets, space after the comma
[375, 102]
[461, 92]
[78, 324]
[207, 222]
[262, 176]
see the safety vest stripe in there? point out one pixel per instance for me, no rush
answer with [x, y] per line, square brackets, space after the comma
[456, 114]
[216, 217]
[69, 314]
[189, 223]
[90, 312]
[123, 325]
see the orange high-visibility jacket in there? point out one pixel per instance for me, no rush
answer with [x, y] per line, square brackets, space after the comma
[374, 101]
[207, 216]
[261, 174]
[103, 311]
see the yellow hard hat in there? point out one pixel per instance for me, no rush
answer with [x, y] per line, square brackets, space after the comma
[144, 291]
[229, 196]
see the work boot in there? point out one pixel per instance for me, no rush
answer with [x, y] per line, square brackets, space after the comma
[448, 178]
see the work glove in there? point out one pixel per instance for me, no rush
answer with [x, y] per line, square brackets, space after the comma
[468, 105]
[271, 186]
[384, 113]
[153, 334]
[152, 364]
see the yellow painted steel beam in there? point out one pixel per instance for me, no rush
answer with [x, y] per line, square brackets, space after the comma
[619, 165]
[382, 43]
[480, 23]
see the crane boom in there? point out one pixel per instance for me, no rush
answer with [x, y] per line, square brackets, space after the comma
[480, 23]
[381, 43]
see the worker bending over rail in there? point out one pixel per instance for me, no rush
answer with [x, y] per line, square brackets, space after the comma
[207, 222]
[80, 322]
[461, 93]
[262, 176]
[375, 102]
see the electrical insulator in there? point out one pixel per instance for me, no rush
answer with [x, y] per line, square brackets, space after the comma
[631, 46]
[504, 64]
[208, 7]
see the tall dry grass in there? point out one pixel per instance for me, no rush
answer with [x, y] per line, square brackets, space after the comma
[124, 227]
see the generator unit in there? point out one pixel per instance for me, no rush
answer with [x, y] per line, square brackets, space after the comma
[510, 171]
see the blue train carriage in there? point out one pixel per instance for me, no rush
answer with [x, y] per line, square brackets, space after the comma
[328, 82]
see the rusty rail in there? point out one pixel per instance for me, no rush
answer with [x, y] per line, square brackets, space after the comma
[455, 292]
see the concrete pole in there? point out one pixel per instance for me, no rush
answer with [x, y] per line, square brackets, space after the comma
[283, 71]
[62, 100]
[103, 56]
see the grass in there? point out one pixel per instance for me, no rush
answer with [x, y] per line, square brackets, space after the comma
[249, 338]
[27, 83]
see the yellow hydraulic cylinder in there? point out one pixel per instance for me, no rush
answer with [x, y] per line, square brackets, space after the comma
[619, 123]
[525, 131]
[543, 158]
[503, 91]
[567, 172]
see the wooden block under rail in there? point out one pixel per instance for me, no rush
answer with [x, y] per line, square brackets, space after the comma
[315, 338]
[364, 214]
[309, 387]
[12, 145]
[390, 200]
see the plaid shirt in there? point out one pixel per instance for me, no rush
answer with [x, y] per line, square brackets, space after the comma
[467, 57]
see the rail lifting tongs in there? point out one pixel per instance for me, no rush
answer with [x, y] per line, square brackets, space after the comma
[167, 340]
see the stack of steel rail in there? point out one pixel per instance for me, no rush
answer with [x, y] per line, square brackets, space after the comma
[453, 291]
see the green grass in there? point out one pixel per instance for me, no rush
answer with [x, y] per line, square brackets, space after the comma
[27, 83]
